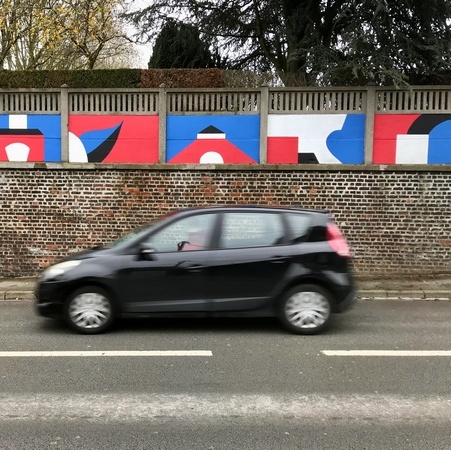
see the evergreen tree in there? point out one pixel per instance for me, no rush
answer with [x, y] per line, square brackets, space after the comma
[179, 46]
[311, 42]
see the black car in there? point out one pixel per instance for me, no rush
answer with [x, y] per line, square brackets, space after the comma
[293, 264]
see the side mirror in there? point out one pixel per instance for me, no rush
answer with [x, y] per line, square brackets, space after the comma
[146, 251]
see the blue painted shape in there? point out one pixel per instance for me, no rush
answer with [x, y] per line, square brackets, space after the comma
[93, 139]
[348, 144]
[440, 144]
[242, 131]
[50, 126]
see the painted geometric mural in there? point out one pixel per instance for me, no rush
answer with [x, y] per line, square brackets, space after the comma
[314, 138]
[113, 139]
[213, 139]
[412, 139]
[216, 139]
[31, 138]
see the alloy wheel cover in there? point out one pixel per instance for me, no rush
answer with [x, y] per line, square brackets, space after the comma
[89, 310]
[307, 310]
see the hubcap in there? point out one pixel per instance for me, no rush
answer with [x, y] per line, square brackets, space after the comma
[307, 309]
[89, 310]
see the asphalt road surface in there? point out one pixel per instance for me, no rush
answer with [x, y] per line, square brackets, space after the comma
[380, 378]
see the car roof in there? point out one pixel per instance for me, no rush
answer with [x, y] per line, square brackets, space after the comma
[252, 208]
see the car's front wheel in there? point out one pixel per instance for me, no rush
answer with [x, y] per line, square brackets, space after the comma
[306, 309]
[89, 310]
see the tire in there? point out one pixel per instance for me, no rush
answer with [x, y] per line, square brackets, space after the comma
[306, 309]
[89, 310]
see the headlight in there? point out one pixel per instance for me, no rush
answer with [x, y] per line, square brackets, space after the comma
[59, 269]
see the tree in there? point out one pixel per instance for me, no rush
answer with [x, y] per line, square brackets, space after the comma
[179, 46]
[310, 42]
[62, 34]
[89, 25]
[11, 27]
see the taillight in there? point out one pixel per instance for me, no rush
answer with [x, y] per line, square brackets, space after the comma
[337, 241]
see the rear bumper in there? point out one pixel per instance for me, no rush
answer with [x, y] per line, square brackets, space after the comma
[347, 303]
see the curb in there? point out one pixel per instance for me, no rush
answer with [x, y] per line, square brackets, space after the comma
[16, 295]
[404, 295]
[364, 295]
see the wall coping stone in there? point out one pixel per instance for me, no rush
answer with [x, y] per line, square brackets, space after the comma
[230, 167]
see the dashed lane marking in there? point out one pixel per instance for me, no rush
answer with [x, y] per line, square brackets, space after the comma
[41, 354]
[386, 352]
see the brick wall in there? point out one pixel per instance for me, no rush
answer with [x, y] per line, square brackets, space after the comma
[396, 221]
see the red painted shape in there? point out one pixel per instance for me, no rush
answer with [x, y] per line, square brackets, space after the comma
[33, 139]
[282, 150]
[138, 138]
[229, 152]
[386, 129]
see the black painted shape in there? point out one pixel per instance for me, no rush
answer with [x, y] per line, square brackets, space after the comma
[211, 130]
[20, 132]
[427, 122]
[104, 149]
[307, 158]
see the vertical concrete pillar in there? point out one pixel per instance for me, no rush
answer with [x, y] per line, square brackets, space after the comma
[64, 112]
[264, 108]
[162, 115]
[369, 123]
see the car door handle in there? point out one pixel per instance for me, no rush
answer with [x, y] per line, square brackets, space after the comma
[190, 266]
[278, 259]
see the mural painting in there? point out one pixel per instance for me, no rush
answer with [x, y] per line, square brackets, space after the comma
[213, 139]
[113, 139]
[314, 138]
[412, 139]
[33, 138]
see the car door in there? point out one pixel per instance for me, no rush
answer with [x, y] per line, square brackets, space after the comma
[168, 274]
[250, 263]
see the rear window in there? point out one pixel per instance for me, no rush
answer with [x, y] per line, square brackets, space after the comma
[240, 230]
[299, 226]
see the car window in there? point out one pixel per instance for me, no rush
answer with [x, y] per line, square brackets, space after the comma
[241, 230]
[299, 225]
[186, 234]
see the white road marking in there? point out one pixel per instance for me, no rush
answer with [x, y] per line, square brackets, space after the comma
[128, 407]
[107, 353]
[386, 352]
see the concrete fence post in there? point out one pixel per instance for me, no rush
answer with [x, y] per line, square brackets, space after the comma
[64, 111]
[369, 122]
[264, 110]
[162, 116]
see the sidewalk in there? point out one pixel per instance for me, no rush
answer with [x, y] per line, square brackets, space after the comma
[437, 288]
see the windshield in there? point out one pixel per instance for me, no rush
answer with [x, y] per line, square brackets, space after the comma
[138, 232]
[135, 234]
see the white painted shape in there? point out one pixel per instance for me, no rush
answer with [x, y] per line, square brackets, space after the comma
[17, 151]
[386, 352]
[412, 148]
[77, 151]
[42, 354]
[211, 158]
[19, 121]
[211, 136]
[311, 130]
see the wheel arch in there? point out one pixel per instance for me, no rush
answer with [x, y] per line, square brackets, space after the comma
[305, 280]
[98, 283]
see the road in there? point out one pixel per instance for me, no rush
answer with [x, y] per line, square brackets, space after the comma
[231, 383]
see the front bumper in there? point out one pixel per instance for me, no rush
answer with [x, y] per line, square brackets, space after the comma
[49, 299]
[49, 309]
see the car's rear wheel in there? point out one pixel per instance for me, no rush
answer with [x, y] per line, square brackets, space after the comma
[306, 309]
[89, 310]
